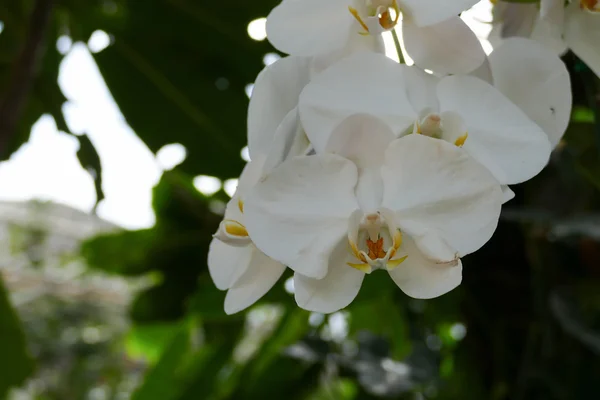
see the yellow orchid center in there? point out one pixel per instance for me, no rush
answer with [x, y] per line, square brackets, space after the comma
[590, 5]
[375, 248]
[368, 244]
[381, 16]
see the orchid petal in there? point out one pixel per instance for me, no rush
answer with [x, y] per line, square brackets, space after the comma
[484, 72]
[421, 278]
[550, 35]
[541, 86]
[336, 290]
[515, 19]
[582, 34]
[310, 27]
[298, 213]
[289, 141]
[507, 194]
[429, 12]
[421, 89]
[448, 47]
[260, 276]
[436, 249]
[435, 188]
[227, 263]
[275, 94]
[553, 11]
[363, 139]
[355, 44]
[362, 83]
[501, 136]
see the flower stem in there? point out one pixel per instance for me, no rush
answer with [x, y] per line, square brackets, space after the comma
[398, 47]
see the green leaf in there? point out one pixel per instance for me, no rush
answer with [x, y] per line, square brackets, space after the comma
[189, 368]
[178, 70]
[271, 374]
[45, 96]
[90, 161]
[384, 317]
[149, 341]
[16, 364]
[175, 249]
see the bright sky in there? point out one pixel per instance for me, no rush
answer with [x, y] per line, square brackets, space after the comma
[47, 168]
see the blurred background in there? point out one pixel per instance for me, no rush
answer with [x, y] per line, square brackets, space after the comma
[122, 130]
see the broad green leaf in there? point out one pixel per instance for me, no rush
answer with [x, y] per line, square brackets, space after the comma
[178, 70]
[149, 341]
[15, 363]
[189, 367]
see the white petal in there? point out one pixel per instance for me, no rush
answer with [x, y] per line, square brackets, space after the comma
[582, 34]
[484, 72]
[250, 175]
[501, 136]
[515, 19]
[448, 47]
[363, 139]
[227, 263]
[553, 11]
[355, 43]
[428, 12]
[540, 85]
[436, 249]
[257, 280]
[421, 89]
[436, 188]
[309, 27]
[422, 278]
[232, 210]
[507, 194]
[336, 290]
[289, 141]
[300, 211]
[550, 35]
[362, 83]
[275, 94]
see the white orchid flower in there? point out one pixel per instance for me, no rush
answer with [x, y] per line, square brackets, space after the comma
[575, 27]
[412, 206]
[462, 110]
[234, 262]
[434, 36]
[535, 79]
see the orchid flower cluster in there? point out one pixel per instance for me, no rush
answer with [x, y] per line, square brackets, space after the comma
[575, 27]
[360, 163]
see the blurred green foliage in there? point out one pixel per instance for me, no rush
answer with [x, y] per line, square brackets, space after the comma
[525, 323]
[17, 365]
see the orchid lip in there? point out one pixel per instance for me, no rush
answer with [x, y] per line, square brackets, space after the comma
[233, 233]
[371, 253]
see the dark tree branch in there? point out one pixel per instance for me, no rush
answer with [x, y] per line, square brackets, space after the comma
[24, 72]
